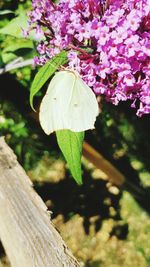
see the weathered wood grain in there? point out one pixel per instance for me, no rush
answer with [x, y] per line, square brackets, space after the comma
[26, 231]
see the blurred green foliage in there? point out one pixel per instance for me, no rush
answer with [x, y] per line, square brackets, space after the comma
[13, 20]
[19, 135]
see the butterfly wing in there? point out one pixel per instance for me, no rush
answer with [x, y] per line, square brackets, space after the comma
[54, 106]
[83, 108]
[68, 104]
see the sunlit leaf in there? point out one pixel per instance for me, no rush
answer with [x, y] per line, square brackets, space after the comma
[70, 144]
[15, 26]
[18, 44]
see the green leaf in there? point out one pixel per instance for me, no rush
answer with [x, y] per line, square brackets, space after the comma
[15, 26]
[70, 144]
[7, 57]
[45, 73]
[18, 44]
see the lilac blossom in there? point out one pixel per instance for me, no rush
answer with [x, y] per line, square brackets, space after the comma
[108, 43]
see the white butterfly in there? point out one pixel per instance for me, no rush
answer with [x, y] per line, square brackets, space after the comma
[68, 104]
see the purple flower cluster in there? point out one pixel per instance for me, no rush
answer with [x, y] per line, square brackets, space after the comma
[108, 43]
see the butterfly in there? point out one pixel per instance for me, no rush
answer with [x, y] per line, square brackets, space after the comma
[69, 103]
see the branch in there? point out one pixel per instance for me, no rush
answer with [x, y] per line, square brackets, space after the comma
[113, 174]
[17, 63]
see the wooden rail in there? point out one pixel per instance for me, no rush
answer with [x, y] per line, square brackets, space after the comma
[26, 231]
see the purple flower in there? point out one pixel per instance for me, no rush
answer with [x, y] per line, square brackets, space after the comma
[108, 43]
